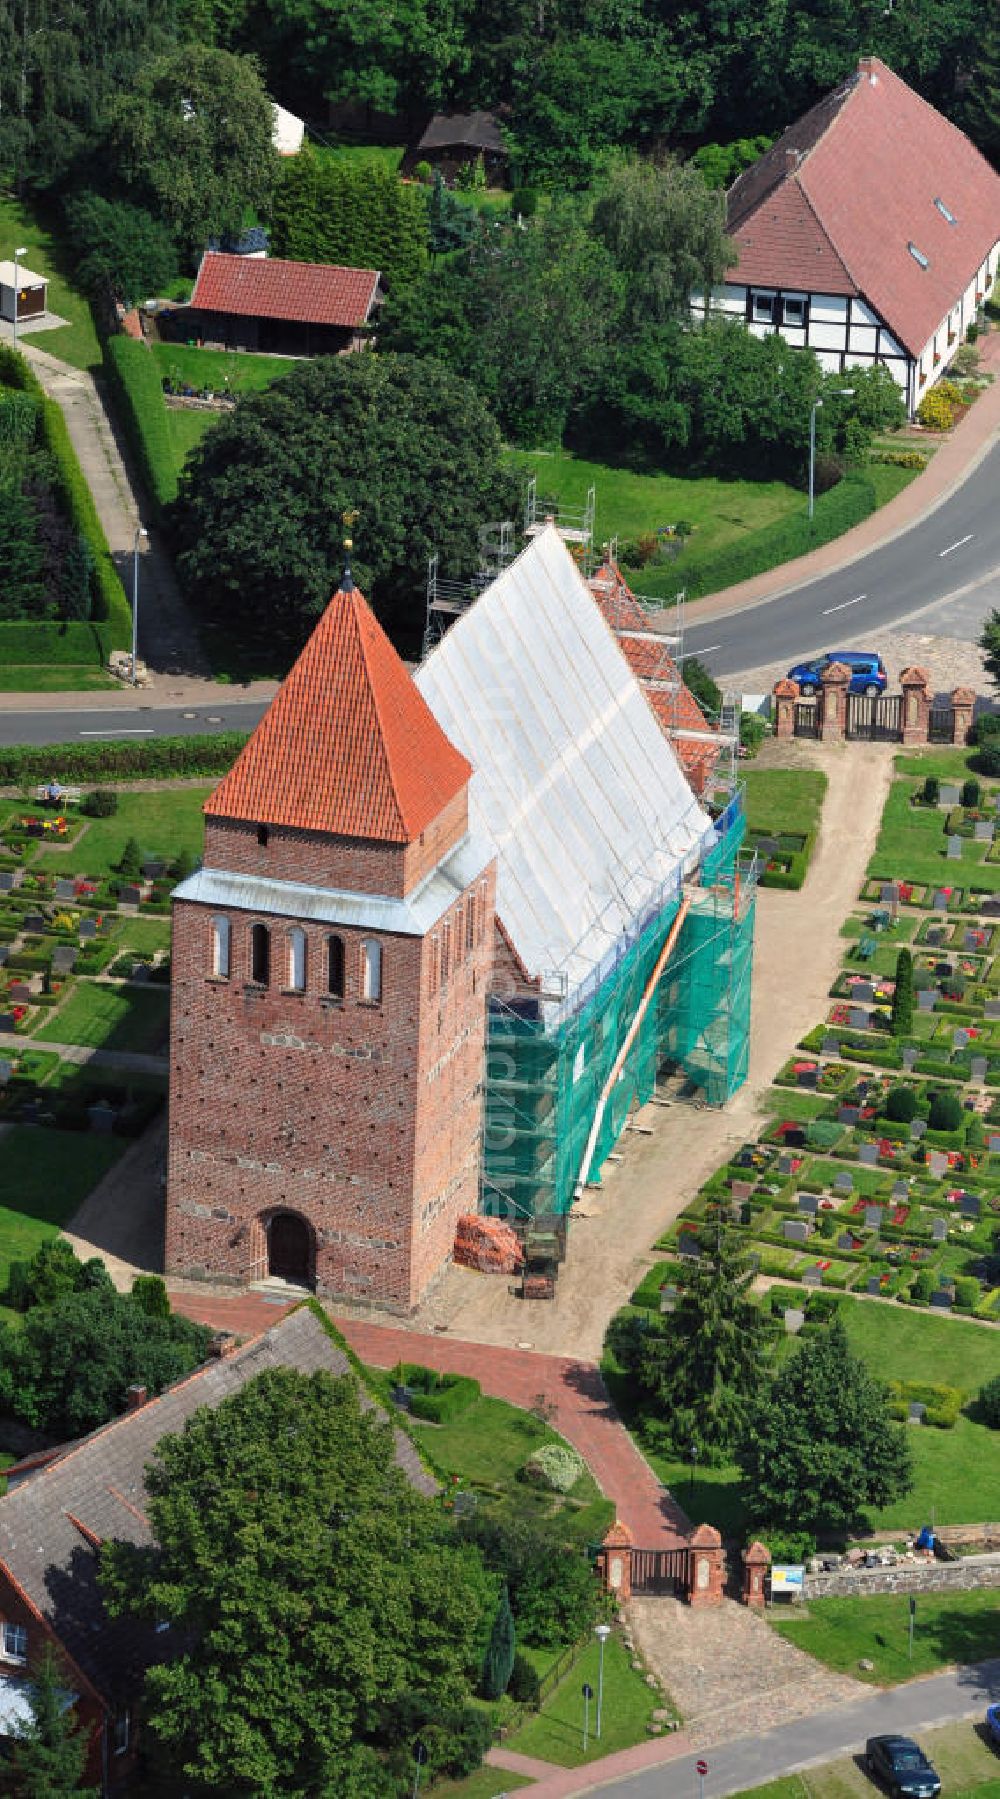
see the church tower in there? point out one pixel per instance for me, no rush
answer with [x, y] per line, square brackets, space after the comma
[330, 966]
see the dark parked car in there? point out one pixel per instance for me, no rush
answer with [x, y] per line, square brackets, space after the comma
[993, 1723]
[902, 1766]
[867, 671]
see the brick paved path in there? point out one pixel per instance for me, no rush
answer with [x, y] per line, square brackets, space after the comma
[581, 1409]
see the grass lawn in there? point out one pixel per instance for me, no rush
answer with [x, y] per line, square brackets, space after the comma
[485, 1783]
[966, 1763]
[185, 430]
[912, 845]
[783, 799]
[948, 765]
[555, 1734]
[46, 1176]
[220, 370]
[165, 823]
[108, 1018]
[903, 1344]
[388, 156]
[143, 934]
[76, 341]
[629, 504]
[950, 1627]
[35, 677]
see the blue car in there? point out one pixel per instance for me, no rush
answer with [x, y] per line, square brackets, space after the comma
[993, 1723]
[868, 673]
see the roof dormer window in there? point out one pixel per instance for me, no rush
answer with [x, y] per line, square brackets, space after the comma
[918, 256]
[945, 211]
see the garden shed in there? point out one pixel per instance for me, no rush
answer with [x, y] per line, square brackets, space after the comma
[452, 140]
[31, 290]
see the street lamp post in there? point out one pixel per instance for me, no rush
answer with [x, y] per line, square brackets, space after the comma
[18, 253]
[602, 1633]
[140, 531]
[812, 444]
[693, 1453]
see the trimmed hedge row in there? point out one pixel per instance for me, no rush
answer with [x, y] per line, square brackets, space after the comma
[165, 756]
[943, 1403]
[436, 1397]
[836, 512]
[134, 378]
[791, 878]
[111, 626]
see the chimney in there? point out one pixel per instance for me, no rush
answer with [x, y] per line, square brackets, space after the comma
[136, 1397]
[224, 1343]
[792, 160]
[866, 66]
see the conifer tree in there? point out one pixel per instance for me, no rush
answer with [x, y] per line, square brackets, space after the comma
[499, 1661]
[902, 999]
[49, 1752]
[982, 103]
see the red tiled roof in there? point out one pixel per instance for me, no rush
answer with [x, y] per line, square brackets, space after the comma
[348, 745]
[675, 707]
[873, 159]
[309, 293]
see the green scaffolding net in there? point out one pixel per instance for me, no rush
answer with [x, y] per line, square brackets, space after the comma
[547, 1077]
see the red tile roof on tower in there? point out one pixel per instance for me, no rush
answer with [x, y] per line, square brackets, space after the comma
[834, 205]
[674, 706]
[347, 746]
[309, 293]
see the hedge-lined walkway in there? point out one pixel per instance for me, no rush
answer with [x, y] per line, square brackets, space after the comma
[167, 639]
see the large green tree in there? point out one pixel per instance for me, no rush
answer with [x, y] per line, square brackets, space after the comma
[124, 252]
[320, 1608]
[665, 227]
[192, 137]
[819, 1447]
[48, 1753]
[989, 643]
[358, 214]
[403, 441]
[981, 110]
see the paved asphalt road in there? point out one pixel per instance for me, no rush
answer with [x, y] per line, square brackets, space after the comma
[119, 724]
[954, 546]
[941, 1699]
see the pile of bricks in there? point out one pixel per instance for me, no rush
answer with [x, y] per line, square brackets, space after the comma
[488, 1245]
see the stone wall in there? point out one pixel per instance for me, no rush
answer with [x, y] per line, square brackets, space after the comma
[907, 1577]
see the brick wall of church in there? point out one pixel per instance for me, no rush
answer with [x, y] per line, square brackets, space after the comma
[363, 1118]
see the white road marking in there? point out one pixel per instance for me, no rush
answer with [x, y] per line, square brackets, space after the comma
[844, 605]
[957, 546]
[147, 732]
[707, 651]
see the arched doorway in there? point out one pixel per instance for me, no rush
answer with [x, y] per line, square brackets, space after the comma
[290, 1248]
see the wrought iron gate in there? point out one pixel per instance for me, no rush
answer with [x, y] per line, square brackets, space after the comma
[660, 1570]
[806, 718]
[877, 718]
[941, 724]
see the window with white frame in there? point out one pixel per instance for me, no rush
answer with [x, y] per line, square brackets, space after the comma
[371, 970]
[221, 934]
[794, 308]
[762, 308]
[15, 1642]
[297, 959]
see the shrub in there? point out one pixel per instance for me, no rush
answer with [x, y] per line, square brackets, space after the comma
[164, 756]
[423, 171]
[134, 378]
[149, 1293]
[102, 802]
[989, 1402]
[524, 1684]
[130, 861]
[971, 332]
[852, 500]
[524, 200]
[987, 759]
[932, 790]
[553, 1465]
[946, 1111]
[966, 1292]
[943, 1403]
[753, 732]
[971, 793]
[436, 1397]
[924, 1285]
[936, 411]
[901, 1104]
[790, 1546]
[902, 999]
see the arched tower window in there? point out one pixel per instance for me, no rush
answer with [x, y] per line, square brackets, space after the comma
[260, 954]
[335, 967]
[220, 947]
[297, 959]
[371, 970]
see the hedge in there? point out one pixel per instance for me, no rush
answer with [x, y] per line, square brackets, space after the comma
[134, 378]
[791, 878]
[943, 1403]
[164, 756]
[844, 506]
[436, 1397]
[111, 627]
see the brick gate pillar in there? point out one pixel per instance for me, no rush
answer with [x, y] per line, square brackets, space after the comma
[706, 1568]
[756, 1562]
[964, 701]
[614, 1561]
[915, 683]
[785, 694]
[833, 702]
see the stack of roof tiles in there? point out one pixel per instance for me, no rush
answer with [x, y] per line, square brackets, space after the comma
[488, 1245]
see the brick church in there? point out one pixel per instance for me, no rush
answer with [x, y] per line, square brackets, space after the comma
[335, 954]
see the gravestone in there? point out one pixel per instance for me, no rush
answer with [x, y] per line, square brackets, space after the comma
[864, 991]
[809, 1203]
[668, 1298]
[939, 1229]
[949, 795]
[7, 1021]
[984, 831]
[970, 940]
[935, 934]
[994, 1144]
[65, 890]
[970, 1205]
[917, 1410]
[87, 928]
[465, 1504]
[937, 1162]
[848, 1114]
[940, 901]
[954, 849]
[19, 993]
[868, 1154]
[918, 1128]
[130, 896]
[900, 1191]
[786, 1164]
[926, 1000]
[34, 922]
[873, 1217]
[910, 1053]
[794, 1320]
[795, 1138]
[741, 1189]
[857, 1019]
[941, 1300]
[845, 1240]
[831, 1045]
[808, 1077]
[689, 1248]
[101, 1118]
[978, 1070]
[812, 1278]
[6, 1070]
[960, 1038]
[6, 881]
[4, 953]
[889, 893]
[153, 870]
[63, 958]
[140, 971]
[843, 1183]
[992, 1008]
[31, 1110]
[874, 1285]
[795, 1230]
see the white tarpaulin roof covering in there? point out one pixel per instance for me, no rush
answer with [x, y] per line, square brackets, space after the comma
[575, 784]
